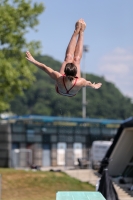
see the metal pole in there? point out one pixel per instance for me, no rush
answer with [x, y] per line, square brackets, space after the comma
[84, 100]
[85, 49]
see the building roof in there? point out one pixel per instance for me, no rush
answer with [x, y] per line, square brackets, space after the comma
[64, 119]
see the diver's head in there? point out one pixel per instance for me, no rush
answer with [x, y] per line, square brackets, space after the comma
[70, 71]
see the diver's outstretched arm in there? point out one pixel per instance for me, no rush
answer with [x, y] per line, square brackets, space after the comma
[93, 85]
[53, 74]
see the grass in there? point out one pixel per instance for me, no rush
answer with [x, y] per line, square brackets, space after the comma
[29, 185]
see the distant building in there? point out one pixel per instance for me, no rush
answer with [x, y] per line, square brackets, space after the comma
[50, 141]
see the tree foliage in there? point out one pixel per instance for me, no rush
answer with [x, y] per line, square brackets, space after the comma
[16, 74]
[41, 98]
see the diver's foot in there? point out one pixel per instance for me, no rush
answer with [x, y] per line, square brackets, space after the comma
[78, 26]
[83, 25]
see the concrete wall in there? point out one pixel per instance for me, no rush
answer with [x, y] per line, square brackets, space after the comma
[37, 154]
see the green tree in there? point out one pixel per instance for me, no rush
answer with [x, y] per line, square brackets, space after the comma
[16, 74]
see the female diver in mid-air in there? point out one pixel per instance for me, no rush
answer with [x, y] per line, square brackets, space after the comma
[68, 80]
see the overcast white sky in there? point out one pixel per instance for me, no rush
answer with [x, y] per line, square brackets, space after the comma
[109, 35]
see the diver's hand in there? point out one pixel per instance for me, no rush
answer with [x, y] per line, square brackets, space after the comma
[30, 58]
[96, 85]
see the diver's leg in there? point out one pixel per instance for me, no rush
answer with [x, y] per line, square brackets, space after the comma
[69, 56]
[79, 49]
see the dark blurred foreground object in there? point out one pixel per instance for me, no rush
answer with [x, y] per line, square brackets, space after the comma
[104, 165]
[106, 187]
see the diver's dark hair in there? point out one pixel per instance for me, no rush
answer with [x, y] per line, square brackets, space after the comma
[70, 71]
